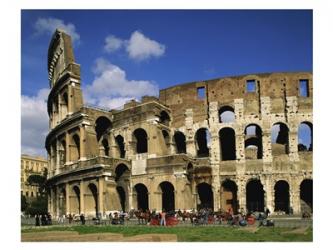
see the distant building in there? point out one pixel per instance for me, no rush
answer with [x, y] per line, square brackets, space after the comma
[31, 165]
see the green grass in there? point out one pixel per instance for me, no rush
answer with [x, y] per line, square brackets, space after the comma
[194, 234]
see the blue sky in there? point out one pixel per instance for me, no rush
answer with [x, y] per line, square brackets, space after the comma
[156, 49]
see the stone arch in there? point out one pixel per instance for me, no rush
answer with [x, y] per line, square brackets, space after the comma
[229, 201]
[306, 195]
[106, 147]
[75, 154]
[227, 144]
[141, 192]
[75, 200]
[180, 141]
[255, 196]
[164, 118]
[91, 201]
[121, 146]
[206, 197]
[168, 196]
[102, 126]
[140, 138]
[226, 114]
[281, 196]
[305, 136]
[202, 140]
[280, 138]
[121, 171]
[253, 142]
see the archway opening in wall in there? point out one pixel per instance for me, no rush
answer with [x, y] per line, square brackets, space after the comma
[64, 105]
[141, 140]
[121, 146]
[228, 144]
[189, 172]
[281, 191]
[168, 196]
[306, 195]
[206, 198]
[164, 118]
[106, 147]
[76, 140]
[253, 142]
[202, 139]
[121, 171]
[62, 152]
[166, 137]
[62, 202]
[76, 200]
[255, 196]
[122, 197]
[180, 141]
[280, 139]
[142, 196]
[229, 200]
[102, 126]
[305, 136]
[226, 114]
[93, 189]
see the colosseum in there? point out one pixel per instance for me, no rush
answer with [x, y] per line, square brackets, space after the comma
[229, 143]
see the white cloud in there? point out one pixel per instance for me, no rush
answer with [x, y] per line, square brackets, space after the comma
[113, 43]
[49, 25]
[112, 89]
[34, 123]
[227, 116]
[139, 47]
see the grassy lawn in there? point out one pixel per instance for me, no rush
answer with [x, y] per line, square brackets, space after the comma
[191, 234]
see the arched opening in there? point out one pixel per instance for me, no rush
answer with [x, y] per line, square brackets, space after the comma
[205, 193]
[164, 118]
[76, 153]
[121, 171]
[226, 114]
[280, 139]
[305, 136]
[62, 153]
[141, 141]
[255, 196]
[64, 105]
[166, 137]
[75, 204]
[227, 144]
[229, 200]
[202, 139]
[281, 191]
[121, 146]
[122, 197]
[253, 142]
[106, 147]
[189, 172]
[92, 199]
[102, 126]
[306, 195]
[142, 196]
[180, 141]
[62, 202]
[168, 196]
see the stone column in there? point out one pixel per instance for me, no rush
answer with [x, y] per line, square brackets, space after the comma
[82, 142]
[68, 209]
[82, 194]
[67, 139]
[190, 142]
[101, 195]
[241, 193]
[216, 194]
[70, 100]
[295, 199]
[269, 194]
[57, 157]
[267, 146]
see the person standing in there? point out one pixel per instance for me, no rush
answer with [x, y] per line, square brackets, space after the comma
[37, 221]
[163, 221]
[83, 220]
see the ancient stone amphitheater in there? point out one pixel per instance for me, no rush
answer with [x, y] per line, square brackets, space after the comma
[229, 143]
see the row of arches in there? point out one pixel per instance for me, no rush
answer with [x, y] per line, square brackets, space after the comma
[255, 196]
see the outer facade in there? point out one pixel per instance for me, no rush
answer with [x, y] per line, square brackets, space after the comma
[227, 143]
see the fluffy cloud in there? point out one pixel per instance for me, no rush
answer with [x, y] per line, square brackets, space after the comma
[112, 89]
[49, 25]
[139, 47]
[113, 43]
[34, 123]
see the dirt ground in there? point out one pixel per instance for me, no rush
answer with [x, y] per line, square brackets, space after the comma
[61, 236]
